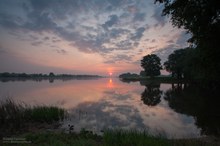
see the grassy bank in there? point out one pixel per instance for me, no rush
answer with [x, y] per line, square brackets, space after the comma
[109, 138]
[25, 125]
[17, 117]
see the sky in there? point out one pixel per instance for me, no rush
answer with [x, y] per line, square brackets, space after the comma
[84, 36]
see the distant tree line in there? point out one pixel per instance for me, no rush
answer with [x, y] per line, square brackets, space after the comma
[50, 75]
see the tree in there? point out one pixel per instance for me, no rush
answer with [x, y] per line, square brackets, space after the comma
[175, 63]
[201, 19]
[142, 73]
[51, 74]
[151, 95]
[151, 65]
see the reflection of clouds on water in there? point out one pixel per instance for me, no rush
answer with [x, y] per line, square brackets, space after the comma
[104, 114]
[117, 96]
[127, 111]
[95, 106]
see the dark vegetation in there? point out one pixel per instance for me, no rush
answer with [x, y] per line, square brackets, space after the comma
[200, 61]
[201, 19]
[19, 117]
[110, 138]
[4, 77]
[198, 101]
[194, 100]
[151, 65]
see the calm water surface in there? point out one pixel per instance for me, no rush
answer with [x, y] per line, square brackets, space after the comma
[103, 103]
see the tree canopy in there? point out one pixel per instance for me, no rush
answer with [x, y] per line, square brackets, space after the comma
[178, 63]
[151, 65]
[200, 18]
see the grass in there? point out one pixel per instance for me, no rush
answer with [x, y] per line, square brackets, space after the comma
[132, 138]
[18, 116]
[109, 138]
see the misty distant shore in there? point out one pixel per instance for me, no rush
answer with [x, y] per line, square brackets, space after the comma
[5, 77]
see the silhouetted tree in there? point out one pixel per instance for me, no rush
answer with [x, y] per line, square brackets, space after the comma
[201, 19]
[177, 62]
[151, 95]
[151, 64]
[51, 74]
[142, 73]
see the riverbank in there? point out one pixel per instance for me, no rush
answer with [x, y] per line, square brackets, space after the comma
[109, 138]
[159, 79]
[24, 125]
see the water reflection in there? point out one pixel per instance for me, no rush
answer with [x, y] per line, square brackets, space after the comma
[151, 95]
[199, 102]
[110, 83]
[175, 110]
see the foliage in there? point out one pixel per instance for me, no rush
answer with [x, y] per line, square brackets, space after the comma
[142, 73]
[128, 75]
[120, 137]
[115, 137]
[151, 65]
[15, 116]
[151, 95]
[178, 63]
[201, 19]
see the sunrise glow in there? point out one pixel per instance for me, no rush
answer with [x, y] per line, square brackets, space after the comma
[107, 39]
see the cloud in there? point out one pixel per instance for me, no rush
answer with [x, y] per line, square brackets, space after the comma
[37, 43]
[2, 51]
[138, 34]
[160, 20]
[69, 20]
[163, 53]
[139, 17]
[61, 51]
[183, 38]
[106, 114]
[95, 26]
[118, 58]
[113, 19]
[15, 63]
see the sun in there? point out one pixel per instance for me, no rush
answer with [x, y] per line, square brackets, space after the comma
[110, 73]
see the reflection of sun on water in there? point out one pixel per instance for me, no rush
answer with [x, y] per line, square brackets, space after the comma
[110, 83]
